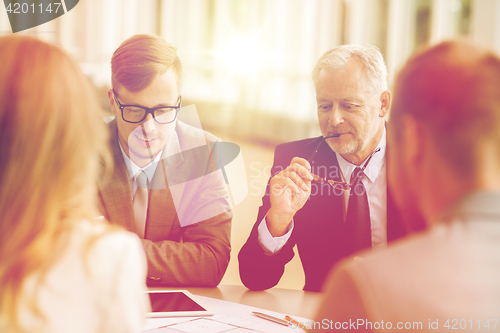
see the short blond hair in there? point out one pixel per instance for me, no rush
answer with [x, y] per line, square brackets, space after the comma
[140, 59]
[52, 138]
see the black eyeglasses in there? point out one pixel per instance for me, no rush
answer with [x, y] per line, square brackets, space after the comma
[136, 114]
[341, 185]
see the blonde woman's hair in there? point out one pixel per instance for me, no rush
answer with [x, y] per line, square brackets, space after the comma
[52, 139]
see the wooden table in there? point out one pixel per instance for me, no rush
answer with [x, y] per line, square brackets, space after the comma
[293, 302]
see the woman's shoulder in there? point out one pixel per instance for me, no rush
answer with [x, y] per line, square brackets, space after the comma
[103, 243]
[101, 231]
[109, 254]
[101, 272]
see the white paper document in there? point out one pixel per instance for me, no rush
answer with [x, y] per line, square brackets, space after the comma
[229, 317]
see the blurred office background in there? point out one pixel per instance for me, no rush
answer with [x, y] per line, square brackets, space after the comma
[247, 63]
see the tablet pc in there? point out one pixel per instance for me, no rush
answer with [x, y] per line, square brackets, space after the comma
[175, 303]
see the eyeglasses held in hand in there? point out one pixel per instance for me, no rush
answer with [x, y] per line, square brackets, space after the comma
[340, 185]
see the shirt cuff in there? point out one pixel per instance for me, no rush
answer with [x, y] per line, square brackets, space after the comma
[272, 245]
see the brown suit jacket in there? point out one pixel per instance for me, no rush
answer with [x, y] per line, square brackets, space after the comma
[188, 225]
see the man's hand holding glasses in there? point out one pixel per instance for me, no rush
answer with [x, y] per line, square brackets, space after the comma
[290, 190]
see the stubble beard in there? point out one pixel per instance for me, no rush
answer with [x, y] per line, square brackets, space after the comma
[356, 144]
[350, 147]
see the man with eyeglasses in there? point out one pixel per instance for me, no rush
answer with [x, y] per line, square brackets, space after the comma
[444, 136]
[164, 185]
[328, 195]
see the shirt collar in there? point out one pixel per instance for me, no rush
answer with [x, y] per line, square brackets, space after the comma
[132, 168]
[373, 169]
[478, 203]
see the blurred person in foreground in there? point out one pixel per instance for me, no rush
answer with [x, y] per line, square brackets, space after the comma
[444, 137]
[327, 218]
[164, 186]
[61, 270]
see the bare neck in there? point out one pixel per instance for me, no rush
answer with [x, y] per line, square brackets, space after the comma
[445, 188]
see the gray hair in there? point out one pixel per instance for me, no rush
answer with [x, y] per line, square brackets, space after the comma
[368, 56]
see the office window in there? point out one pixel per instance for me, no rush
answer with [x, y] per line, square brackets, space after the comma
[423, 13]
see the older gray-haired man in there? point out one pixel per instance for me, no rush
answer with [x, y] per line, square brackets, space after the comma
[445, 161]
[317, 197]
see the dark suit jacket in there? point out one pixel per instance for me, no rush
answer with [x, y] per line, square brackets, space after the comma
[188, 225]
[319, 230]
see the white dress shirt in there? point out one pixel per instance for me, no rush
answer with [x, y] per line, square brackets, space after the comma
[375, 183]
[132, 169]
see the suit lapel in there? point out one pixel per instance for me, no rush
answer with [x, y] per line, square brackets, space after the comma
[163, 198]
[324, 209]
[115, 189]
[397, 224]
[325, 163]
[395, 228]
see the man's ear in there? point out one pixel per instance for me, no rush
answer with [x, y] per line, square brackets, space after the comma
[111, 100]
[385, 103]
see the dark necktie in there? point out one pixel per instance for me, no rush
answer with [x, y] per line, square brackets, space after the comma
[358, 226]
